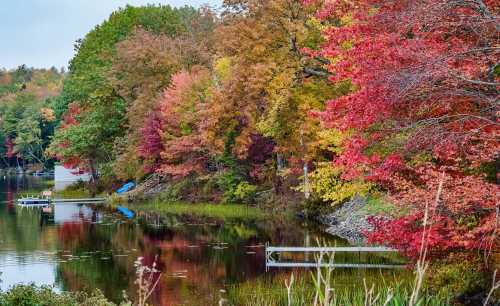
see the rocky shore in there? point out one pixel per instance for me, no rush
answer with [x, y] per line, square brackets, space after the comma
[148, 189]
[348, 221]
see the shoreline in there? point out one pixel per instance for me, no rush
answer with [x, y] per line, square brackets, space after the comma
[347, 222]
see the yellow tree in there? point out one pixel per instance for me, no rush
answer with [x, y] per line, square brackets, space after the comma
[270, 84]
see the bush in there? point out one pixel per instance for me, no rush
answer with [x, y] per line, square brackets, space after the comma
[245, 193]
[326, 183]
[458, 275]
[78, 185]
[209, 190]
[228, 182]
[315, 207]
[78, 189]
[31, 295]
[184, 189]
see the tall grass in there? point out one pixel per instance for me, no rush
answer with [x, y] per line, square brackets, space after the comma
[147, 279]
[219, 211]
[302, 292]
[271, 292]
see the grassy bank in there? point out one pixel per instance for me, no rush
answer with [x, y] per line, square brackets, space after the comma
[72, 194]
[301, 291]
[77, 190]
[219, 211]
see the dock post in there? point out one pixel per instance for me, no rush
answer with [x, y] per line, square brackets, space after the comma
[267, 256]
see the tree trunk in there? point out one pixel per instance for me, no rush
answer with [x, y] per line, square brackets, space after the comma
[307, 190]
[93, 177]
[279, 161]
[93, 170]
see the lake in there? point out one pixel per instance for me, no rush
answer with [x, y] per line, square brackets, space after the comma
[87, 247]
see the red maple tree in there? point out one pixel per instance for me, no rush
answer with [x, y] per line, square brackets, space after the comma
[425, 79]
[151, 146]
[69, 119]
[184, 146]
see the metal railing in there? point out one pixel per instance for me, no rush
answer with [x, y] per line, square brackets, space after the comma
[271, 261]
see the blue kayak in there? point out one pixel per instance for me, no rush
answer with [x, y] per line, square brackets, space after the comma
[126, 212]
[125, 188]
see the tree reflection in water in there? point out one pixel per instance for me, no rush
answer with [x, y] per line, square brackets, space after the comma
[90, 247]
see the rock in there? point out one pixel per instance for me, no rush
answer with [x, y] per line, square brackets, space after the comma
[351, 230]
[347, 222]
[147, 189]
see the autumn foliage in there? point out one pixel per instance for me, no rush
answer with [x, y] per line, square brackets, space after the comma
[331, 98]
[426, 84]
[184, 147]
[151, 145]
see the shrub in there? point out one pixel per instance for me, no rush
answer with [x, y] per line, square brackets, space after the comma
[78, 185]
[176, 191]
[458, 275]
[76, 190]
[31, 295]
[228, 182]
[326, 183]
[245, 193]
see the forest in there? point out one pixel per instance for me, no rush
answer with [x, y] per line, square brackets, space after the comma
[289, 102]
[28, 105]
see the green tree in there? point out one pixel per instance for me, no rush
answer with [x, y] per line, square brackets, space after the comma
[28, 123]
[102, 110]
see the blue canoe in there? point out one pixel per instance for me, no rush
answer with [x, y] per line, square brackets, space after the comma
[125, 188]
[126, 212]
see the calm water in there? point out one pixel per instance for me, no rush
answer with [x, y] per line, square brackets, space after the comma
[83, 247]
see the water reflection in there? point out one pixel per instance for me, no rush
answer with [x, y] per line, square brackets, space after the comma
[23, 245]
[85, 247]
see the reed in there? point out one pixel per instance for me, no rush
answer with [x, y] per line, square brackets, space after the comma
[147, 279]
[303, 292]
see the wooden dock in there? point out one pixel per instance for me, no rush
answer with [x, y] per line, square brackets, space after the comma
[83, 201]
[271, 261]
[38, 202]
[79, 200]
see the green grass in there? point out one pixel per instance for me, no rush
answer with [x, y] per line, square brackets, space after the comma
[219, 211]
[70, 193]
[378, 204]
[76, 190]
[267, 292]
[273, 292]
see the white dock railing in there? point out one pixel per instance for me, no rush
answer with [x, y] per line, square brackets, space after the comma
[272, 262]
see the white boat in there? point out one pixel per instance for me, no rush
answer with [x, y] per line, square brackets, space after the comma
[33, 201]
